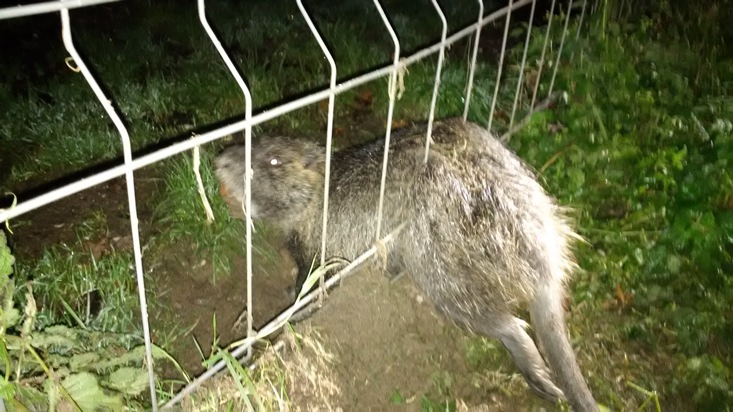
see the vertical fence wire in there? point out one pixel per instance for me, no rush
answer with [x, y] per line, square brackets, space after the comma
[620, 10]
[436, 85]
[247, 159]
[580, 22]
[501, 64]
[542, 56]
[329, 133]
[580, 26]
[132, 203]
[392, 92]
[472, 69]
[559, 48]
[521, 66]
[593, 11]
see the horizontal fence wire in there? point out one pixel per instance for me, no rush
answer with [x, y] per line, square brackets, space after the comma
[238, 126]
[47, 7]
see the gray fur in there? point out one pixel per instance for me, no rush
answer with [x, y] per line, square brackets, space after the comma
[483, 237]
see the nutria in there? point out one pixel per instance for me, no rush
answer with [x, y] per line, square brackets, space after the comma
[483, 238]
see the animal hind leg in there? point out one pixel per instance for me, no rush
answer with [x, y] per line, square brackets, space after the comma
[510, 330]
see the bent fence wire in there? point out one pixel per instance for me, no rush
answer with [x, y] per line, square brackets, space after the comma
[393, 70]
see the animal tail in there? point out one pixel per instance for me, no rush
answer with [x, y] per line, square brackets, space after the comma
[548, 321]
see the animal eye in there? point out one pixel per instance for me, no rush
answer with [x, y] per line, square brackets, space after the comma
[275, 162]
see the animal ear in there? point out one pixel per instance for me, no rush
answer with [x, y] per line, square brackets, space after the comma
[313, 158]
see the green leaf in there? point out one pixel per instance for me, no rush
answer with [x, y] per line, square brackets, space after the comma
[82, 361]
[577, 178]
[6, 258]
[396, 398]
[673, 264]
[86, 392]
[130, 381]
[7, 389]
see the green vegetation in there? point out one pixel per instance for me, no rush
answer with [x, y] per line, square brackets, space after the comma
[56, 366]
[643, 151]
[219, 240]
[640, 145]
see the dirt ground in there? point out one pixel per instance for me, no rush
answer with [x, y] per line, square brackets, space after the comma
[388, 340]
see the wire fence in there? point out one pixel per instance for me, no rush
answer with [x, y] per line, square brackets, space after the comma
[393, 70]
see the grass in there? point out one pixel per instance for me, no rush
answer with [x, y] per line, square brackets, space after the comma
[304, 368]
[76, 287]
[183, 212]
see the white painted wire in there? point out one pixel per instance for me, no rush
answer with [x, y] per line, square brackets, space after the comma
[392, 92]
[188, 144]
[580, 26]
[47, 7]
[542, 56]
[521, 66]
[130, 180]
[621, 10]
[247, 157]
[559, 48]
[329, 131]
[436, 85]
[501, 65]
[582, 17]
[472, 69]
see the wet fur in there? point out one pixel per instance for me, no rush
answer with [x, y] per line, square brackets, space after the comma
[483, 237]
